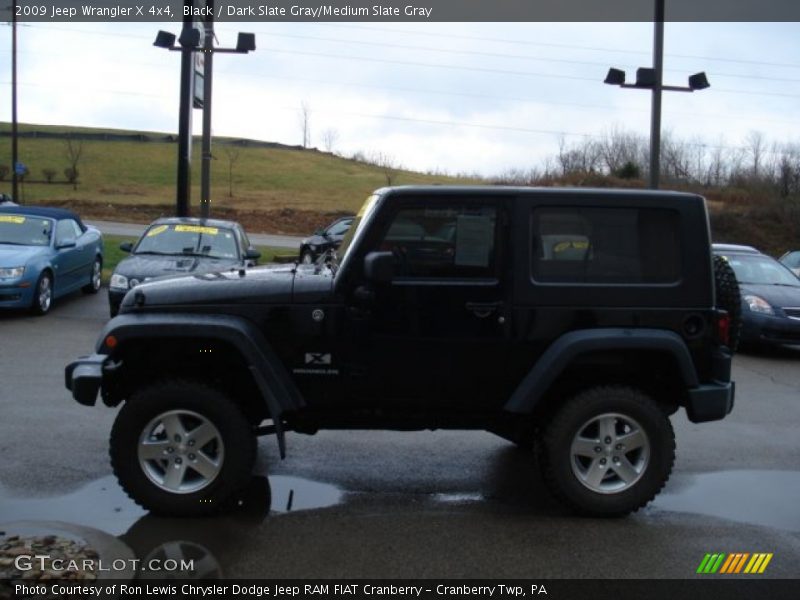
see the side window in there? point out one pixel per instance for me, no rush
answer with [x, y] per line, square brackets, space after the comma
[340, 227]
[443, 242]
[605, 245]
[65, 230]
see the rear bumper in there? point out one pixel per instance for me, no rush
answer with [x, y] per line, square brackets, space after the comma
[84, 376]
[710, 402]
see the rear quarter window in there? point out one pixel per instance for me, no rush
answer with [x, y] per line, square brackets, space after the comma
[605, 246]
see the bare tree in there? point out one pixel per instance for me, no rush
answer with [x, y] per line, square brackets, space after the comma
[49, 174]
[756, 146]
[387, 163]
[232, 153]
[305, 123]
[73, 148]
[329, 139]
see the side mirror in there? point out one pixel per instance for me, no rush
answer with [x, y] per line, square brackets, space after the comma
[126, 246]
[379, 267]
[67, 243]
[252, 254]
[319, 232]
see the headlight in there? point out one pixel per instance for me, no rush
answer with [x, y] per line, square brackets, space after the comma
[12, 272]
[758, 304]
[312, 247]
[119, 282]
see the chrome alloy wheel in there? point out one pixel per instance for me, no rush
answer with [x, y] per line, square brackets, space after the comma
[610, 453]
[181, 451]
[97, 275]
[44, 294]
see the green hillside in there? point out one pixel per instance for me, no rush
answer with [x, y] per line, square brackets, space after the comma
[131, 179]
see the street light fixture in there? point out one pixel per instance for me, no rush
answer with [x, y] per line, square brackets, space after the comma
[653, 79]
[190, 41]
[646, 80]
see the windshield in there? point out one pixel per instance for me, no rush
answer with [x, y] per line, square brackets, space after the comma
[21, 230]
[199, 240]
[363, 212]
[761, 270]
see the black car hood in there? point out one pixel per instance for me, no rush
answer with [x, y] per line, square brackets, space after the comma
[777, 295]
[258, 285]
[148, 266]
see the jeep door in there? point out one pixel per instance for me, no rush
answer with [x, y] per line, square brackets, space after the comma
[433, 338]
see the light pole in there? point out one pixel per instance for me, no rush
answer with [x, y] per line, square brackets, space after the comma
[190, 41]
[653, 79]
[14, 121]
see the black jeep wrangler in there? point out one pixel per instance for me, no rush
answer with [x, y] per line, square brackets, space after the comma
[574, 321]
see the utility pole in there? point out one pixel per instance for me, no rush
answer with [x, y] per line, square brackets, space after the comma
[14, 128]
[655, 110]
[205, 165]
[185, 115]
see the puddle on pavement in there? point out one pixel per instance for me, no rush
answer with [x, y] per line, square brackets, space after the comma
[103, 505]
[767, 498]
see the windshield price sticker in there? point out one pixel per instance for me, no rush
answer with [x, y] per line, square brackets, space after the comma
[156, 230]
[196, 229]
[12, 219]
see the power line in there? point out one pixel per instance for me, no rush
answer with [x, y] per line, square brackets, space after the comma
[488, 70]
[557, 45]
[502, 55]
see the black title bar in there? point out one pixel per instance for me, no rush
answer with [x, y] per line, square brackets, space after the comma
[406, 10]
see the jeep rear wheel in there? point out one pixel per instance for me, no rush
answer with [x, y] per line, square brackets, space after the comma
[181, 448]
[608, 451]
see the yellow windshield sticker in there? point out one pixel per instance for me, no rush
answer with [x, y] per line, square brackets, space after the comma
[156, 230]
[196, 229]
[564, 246]
[12, 219]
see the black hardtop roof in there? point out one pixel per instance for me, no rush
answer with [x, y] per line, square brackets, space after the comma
[58, 214]
[572, 192]
[193, 221]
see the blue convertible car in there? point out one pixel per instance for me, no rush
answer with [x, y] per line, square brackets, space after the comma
[46, 253]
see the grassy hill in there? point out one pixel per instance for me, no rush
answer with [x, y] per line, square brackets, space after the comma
[130, 176]
[135, 180]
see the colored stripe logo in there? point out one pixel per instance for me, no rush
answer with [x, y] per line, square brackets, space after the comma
[734, 563]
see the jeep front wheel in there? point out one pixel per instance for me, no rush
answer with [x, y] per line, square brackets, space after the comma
[181, 448]
[608, 451]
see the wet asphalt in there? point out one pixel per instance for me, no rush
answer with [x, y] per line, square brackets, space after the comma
[422, 504]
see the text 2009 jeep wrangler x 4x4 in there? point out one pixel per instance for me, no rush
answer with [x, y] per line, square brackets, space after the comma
[573, 320]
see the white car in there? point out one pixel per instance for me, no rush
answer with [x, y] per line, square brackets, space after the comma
[792, 260]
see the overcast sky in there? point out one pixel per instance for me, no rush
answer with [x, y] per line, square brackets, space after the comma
[460, 97]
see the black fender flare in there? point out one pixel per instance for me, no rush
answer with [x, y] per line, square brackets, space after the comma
[277, 389]
[569, 346]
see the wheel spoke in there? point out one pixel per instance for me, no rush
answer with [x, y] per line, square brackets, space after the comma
[203, 434]
[595, 473]
[626, 471]
[584, 447]
[207, 467]
[608, 428]
[633, 440]
[154, 450]
[173, 478]
[173, 426]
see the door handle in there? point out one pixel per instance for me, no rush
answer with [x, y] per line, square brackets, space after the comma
[483, 309]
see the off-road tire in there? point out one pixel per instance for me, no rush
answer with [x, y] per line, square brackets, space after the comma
[236, 433]
[729, 298]
[555, 455]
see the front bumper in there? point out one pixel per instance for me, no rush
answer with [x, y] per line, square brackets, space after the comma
[115, 297]
[19, 295]
[768, 329]
[84, 377]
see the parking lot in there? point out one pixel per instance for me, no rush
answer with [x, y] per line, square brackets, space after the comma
[426, 504]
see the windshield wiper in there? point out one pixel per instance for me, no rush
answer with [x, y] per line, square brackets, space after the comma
[18, 244]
